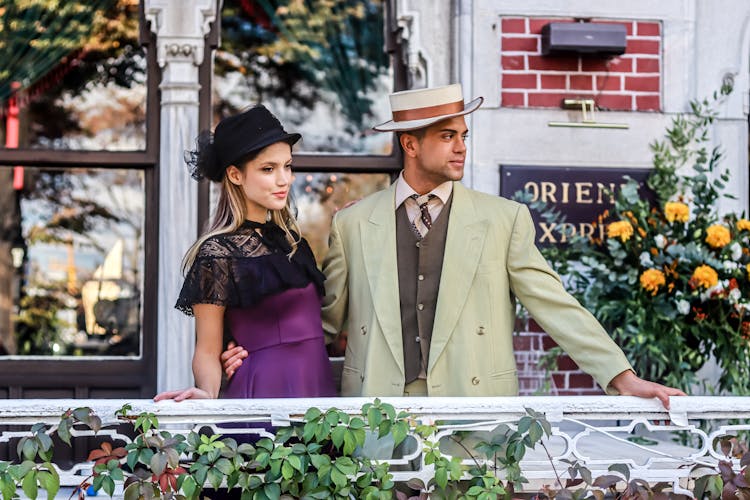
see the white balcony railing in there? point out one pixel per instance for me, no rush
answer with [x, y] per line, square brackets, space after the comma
[597, 431]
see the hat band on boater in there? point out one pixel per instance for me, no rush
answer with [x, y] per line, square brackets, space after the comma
[428, 112]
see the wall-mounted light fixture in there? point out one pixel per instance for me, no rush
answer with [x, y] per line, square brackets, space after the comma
[17, 254]
[584, 38]
[588, 118]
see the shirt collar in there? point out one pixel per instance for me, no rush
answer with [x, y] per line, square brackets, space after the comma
[404, 190]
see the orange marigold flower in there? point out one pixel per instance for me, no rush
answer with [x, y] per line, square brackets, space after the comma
[676, 211]
[641, 232]
[718, 236]
[704, 276]
[699, 314]
[654, 251]
[745, 330]
[747, 269]
[652, 279]
[743, 225]
[621, 229]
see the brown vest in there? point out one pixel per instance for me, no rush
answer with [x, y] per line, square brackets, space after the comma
[419, 266]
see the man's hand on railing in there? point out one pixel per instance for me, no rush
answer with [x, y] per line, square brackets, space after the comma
[628, 383]
[231, 359]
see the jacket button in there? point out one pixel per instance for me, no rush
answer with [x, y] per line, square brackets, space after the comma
[475, 381]
[418, 340]
[480, 330]
[364, 330]
[418, 245]
[420, 306]
[420, 277]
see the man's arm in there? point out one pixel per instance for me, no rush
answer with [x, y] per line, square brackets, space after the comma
[567, 322]
[335, 268]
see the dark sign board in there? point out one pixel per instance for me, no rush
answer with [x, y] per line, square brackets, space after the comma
[580, 194]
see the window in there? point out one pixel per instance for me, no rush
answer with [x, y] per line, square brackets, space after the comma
[325, 69]
[77, 171]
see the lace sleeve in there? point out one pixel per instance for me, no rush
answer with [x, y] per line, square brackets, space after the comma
[209, 281]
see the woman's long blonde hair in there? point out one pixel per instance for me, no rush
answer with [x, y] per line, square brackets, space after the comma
[231, 212]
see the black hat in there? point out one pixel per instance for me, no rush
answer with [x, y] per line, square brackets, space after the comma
[235, 138]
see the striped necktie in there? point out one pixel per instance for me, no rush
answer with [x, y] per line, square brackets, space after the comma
[423, 222]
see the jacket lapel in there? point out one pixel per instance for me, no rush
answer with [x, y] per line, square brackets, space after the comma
[379, 250]
[464, 241]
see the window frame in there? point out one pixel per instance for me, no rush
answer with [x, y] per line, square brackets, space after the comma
[79, 377]
[390, 164]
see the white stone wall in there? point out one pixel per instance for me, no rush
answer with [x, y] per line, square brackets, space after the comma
[702, 42]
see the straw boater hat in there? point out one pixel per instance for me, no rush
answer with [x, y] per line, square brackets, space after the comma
[414, 109]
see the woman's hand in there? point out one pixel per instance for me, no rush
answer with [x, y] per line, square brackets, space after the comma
[191, 393]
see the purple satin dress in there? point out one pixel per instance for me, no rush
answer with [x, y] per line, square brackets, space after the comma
[272, 309]
[287, 356]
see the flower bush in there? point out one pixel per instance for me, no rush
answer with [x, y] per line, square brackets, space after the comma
[671, 281]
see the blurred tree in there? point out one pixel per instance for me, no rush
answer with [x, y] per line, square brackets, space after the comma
[300, 49]
[41, 35]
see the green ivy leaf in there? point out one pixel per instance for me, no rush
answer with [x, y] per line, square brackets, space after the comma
[189, 487]
[383, 428]
[374, 417]
[29, 485]
[30, 447]
[97, 483]
[132, 492]
[145, 456]
[272, 490]
[356, 423]
[337, 435]
[535, 433]
[441, 477]
[215, 477]
[7, 487]
[224, 466]
[63, 430]
[82, 414]
[295, 462]
[332, 417]
[108, 485]
[622, 469]
[50, 483]
[350, 442]
[338, 478]
[18, 472]
[312, 414]
[319, 461]
[399, 431]
[158, 463]
[287, 471]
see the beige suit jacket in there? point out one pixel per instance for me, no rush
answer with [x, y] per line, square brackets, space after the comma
[490, 259]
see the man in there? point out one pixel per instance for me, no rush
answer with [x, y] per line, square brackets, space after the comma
[424, 275]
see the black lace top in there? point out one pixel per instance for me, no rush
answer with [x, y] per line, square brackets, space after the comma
[241, 268]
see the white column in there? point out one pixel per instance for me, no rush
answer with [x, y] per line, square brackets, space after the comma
[180, 27]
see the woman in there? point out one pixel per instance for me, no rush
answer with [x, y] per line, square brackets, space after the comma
[252, 273]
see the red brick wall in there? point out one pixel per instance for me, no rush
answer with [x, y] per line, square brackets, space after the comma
[568, 380]
[630, 82]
